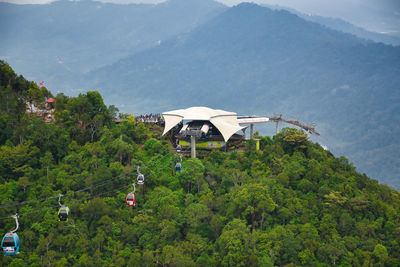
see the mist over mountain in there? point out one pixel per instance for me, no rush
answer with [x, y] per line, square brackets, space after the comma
[343, 26]
[382, 16]
[254, 60]
[58, 41]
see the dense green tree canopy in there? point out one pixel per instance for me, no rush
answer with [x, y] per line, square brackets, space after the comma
[291, 203]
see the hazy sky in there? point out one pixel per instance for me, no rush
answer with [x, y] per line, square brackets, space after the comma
[376, 15]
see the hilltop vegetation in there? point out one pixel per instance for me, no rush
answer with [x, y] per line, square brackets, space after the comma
[255, 60]
[291, 203]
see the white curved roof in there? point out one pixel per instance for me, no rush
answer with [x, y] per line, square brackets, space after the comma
[225, 121]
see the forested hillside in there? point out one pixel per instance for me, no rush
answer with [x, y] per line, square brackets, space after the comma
[255, 60]
[292, 203]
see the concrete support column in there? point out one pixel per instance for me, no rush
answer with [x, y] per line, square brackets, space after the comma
[251, 131]
[193, 146]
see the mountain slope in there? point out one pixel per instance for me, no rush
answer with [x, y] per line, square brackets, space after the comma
[251, 59]
[291, 203]
[55, 42]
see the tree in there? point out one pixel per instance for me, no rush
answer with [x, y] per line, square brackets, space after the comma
[197, 216]
[380, 255]
[294, 139]
[122, 150]
[174, 256]
[94, 209]
[234, 244]
[192, 171]
[253, 200]
[46, 162]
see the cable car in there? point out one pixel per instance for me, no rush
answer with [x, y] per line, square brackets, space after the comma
[140, 179]
[130, 199]
[178, 167]
[10, 244]
[63, 213]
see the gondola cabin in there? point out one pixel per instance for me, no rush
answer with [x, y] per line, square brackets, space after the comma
[178, 167]
[63, 214]
[140, 179]
[130, 199]
[10, 244]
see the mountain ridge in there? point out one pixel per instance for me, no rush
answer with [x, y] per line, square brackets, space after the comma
[71, 38]
[295, 66]
[343, 26]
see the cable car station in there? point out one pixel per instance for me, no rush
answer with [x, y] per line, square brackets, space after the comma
[205, 128]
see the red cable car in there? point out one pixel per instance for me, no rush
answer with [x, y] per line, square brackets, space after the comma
[130, 199]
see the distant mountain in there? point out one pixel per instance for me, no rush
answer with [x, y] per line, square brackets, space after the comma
[344, 26]
[254, 60]
[380, 16]
[58, 41]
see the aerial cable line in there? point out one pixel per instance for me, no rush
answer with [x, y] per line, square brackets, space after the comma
[71, 202]
[78, 200]
[148, 167]
[57, 195]
[31, 212]
[156, 164]
[27, 202]
[73, 192]
[103, 193]
[103, 182]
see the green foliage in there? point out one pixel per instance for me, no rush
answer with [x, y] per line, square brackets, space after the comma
[292, 203]
[153, 147]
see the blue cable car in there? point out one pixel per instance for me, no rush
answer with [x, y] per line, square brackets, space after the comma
[10, 244]
[178, 167]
